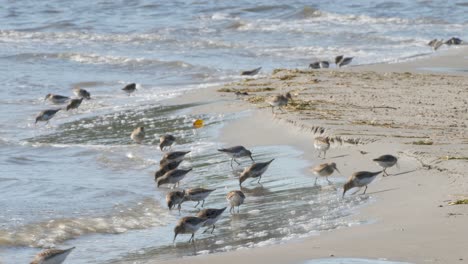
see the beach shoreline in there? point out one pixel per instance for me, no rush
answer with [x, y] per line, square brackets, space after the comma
[411, 219]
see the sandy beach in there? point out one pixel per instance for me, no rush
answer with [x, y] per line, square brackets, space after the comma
[413, 110]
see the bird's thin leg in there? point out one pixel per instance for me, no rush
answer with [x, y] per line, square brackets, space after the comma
[203, 203]
[192, 237]
[328, 180]
[324, 154]
[230, 210]
[385, 174]
[282, 111]
[197, 204]
[213, 229]
[236, 161]
[316, 178]
[232, 161]
[259, 178]
[365, 190]
[238, 208]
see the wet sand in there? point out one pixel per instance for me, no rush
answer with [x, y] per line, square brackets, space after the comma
[401, 109]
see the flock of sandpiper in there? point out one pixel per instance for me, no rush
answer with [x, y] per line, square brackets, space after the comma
[169, 173]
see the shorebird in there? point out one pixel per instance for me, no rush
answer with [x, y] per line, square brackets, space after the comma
[82, 93]
[360, 179]
[239, 94]
[46, 115]
[235, 198]
[322, 144]
[237, 152]
[166, 167]
[342, 61]
[319, 65]
[453, 41]
[56, 99]
[325, 169]
[166, 141]
[173, 156]
[386, 161]
[74, 103]
[129, 88]
[197, 195]
[435, 44]
[212, 216]
[279, 101]
[138, 134]
[52, 256]
[251, 72]
[254, 171]
[173, 177]
[188, 225]
[175, 198]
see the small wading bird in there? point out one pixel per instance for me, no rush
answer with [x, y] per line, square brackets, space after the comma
[166, 167]
[279, 101]
[188, 225]
[174, 198]
[173, 177]
[319, 65]
[212, 216]
[235, 198]
[254, 171]
[82, 93]
[386, 161]
[251, 72]
[46, 115]
[56, 99]
[74, 103]
[435, 44]
[138, 134]
[129, 88]
[454, 41]
[197, 195]
[237, 152]
[360, 179]
[173, 156]
[166, 141]
[239, 94]
[325, 170]
[342, 61]
[52, 256]
[322, 144]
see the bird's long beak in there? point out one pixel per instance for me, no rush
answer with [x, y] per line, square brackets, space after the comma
[252, 158]
[175, 235]
[338, 171]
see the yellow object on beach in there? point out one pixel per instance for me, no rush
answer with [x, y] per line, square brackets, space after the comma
[198, 123]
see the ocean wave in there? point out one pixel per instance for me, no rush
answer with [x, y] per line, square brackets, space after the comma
[145, 214]
[92, 58]
[265, 8]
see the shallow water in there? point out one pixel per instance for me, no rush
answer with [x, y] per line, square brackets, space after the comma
[81, 181]
[352, 261]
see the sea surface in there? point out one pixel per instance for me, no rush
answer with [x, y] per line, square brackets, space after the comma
[80, 180]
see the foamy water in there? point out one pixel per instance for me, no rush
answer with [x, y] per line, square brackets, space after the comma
[82, 182]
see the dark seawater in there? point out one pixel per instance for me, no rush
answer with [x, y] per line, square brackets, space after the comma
[82, 182]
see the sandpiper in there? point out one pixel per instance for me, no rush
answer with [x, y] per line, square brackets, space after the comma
[166, 141]
[46, 115]
[172, 177]
[197, 195]
[435, 44]
[173, 156]
[129, 88]
[188, 225]
[212, 216]
[74, 103]
[319, 65]
[235, 198]
[82, 93]
[251, 72]
[254, 171]
[239, 94]
[56, 99]
[322, 144]
[360, 179]
[342, 61]
[237, 152]
[386, 161]
[138, 134]
[453, 41]
[166, 167]
[174, 198]
[325, 169]
[51, 256]
[279, 101]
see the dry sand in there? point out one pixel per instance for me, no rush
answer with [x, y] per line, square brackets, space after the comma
[398, 109]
